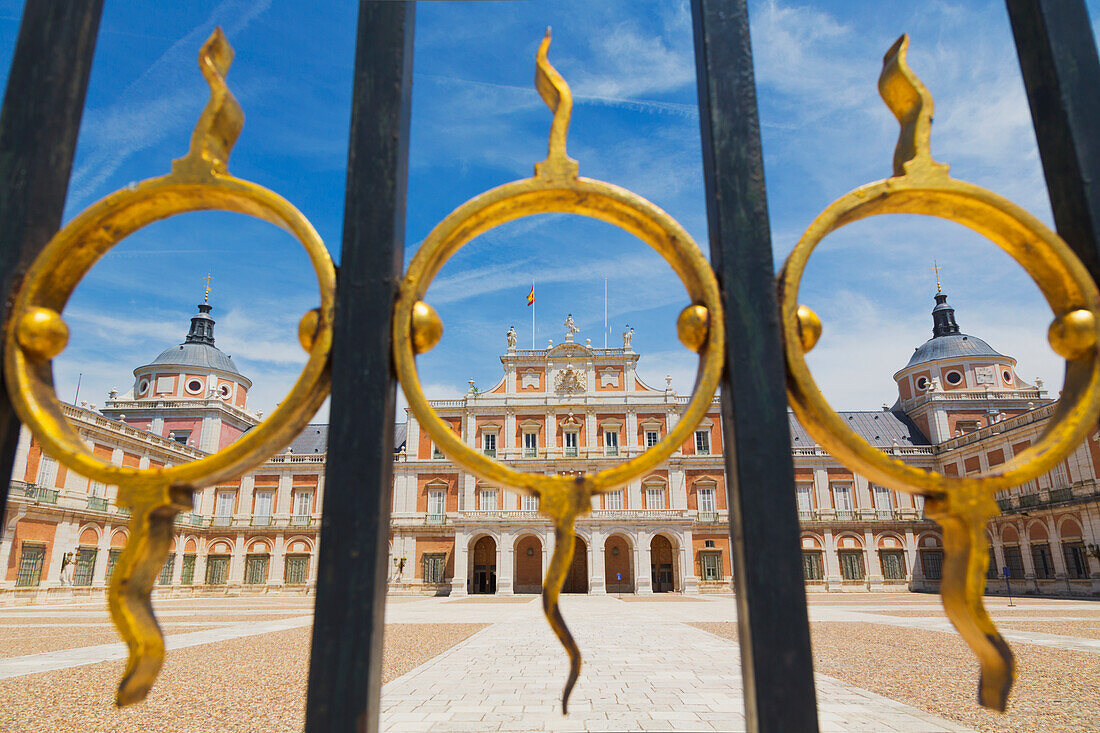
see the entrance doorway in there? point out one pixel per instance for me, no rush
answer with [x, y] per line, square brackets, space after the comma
[485, 566]
[661, 559]
[529, 565]
[618, 565]
[576, 581]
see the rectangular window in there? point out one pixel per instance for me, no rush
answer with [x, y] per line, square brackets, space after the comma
[187, 572]
[805, 498]
[1077, 565]
[530, 445]
[851, 564]
[95, 488]
[181, 436]
[262, 515]
[893, 564]
[702, 442]
[303, 501]
[47, 472]
[217, 569]
[842, 501]
[433, 568]
[166, 571]
[255, 570]
[30, 566]
[1040, 558]
[611, 442]
[711, 564]
[223, 509]
[812, 566]
[1014, 562]
[529, 503]
[489, 444]
[436, 502]
[931, 562]
[487, 500]
[613, 500]
[112, 559]
[884, 503]
[1058, 478]
[297, 569]
[654, 498]
[85, 566]
[918, 502]
[706, 500]
[437, 454]
[652, 437]
[570, 444]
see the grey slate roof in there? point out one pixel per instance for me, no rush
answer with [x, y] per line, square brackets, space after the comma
[954, 345]
[199, 355]
[314, 438]
[880, 429]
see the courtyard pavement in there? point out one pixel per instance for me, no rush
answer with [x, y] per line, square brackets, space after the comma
[644, 669]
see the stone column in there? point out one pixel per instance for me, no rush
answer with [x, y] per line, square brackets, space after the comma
[597, 583]
[200, 560]
[689, 583]
[643, 577]
[677, 488]
[236, 561]
[461, 565]
[505, 563]
[870, 557]
[832, 560]
[552, 450]
[276, 573]
[103, 550]
[633, 495]
[1030, 582]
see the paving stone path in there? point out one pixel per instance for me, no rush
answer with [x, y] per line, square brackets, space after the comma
[644, 669]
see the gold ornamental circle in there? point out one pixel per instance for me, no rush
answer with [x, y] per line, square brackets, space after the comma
[568, 194]
[1063, 280]
[72, 252]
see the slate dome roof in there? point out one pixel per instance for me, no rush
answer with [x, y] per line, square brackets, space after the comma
[958, 345]
[203, 356]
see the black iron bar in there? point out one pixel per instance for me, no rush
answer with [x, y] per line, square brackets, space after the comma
[1062, 76]
[346, 660]
[38, 129]
[773, 628]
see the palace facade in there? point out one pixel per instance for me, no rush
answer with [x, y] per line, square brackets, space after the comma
[961, 409]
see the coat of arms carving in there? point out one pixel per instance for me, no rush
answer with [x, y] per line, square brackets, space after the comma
[569, 380]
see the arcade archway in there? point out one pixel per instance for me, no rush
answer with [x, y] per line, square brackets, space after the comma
[618, 565]
[576, 581]
[528, 570]
[484, 558]
[663, 570]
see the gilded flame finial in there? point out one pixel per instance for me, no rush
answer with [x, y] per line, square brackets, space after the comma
[221, 120]
[936, 269]
[911, 103]
[206, 295]
[556, 93]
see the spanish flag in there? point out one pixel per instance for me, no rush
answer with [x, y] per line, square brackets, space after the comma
[531, 295]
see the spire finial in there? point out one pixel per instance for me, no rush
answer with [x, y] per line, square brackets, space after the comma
[206, 295]
[936, 268]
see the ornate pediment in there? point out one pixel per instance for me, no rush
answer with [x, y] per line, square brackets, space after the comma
[569, 380]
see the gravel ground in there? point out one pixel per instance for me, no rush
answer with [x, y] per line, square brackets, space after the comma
[1000, 611]
[15, 642]
[1081, 629]
[1056, 690]
[205, 689]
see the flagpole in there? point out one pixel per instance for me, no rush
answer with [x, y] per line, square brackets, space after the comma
[532, 317]
[605, 312]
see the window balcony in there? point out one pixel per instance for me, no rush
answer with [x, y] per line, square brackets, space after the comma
[807, 515]
[221, 521]
[435, 520]
[705, 516]
[40, 494]
[845, 515]
[1061, 494]
[1029, 500]
[300, 520]
[264, 521]
[1005, 504]
[491, 452]
[97, 503]
[530, 452]
[611, 451]
[885, 515]
[571, 451]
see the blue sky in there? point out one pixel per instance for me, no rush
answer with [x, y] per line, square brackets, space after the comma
[477, 123]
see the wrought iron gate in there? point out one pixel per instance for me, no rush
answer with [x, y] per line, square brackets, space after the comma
[38, 129]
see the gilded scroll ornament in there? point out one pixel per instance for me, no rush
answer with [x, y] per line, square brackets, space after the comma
[36, 332]
[556, 187]
[962, 505]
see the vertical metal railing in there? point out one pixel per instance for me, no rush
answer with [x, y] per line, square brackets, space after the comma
[773, 629]
[1061, 73]
[346, 659]
[38, 129]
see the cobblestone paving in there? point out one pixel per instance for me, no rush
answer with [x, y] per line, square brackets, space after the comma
[644, 670]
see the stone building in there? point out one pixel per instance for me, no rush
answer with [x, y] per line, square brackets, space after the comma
[961, 408]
